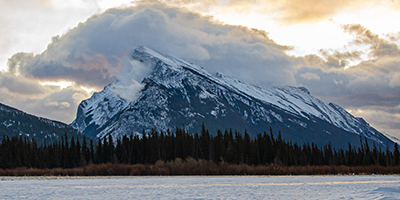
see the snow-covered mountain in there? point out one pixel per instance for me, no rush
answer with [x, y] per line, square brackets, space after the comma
[178, 93]
[15, 122]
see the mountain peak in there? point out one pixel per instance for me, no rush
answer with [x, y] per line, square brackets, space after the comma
[140, 50]
[176, 92]
[304, 90]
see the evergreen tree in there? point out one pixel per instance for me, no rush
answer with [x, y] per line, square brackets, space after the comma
[91, 158]
[85, 152]
[396, 155]
[99, 153]
[232, 148]
[7, 157]
[111, 151]
[79, 159]
[72, 154]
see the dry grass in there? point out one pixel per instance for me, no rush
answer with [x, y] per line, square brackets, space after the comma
[191, 166]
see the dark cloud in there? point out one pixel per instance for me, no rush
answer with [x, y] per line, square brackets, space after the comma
[58, 105]
[339, 59]
[19, 85]
[17, 61]
[385, 119]
[379, 46]
[362, 34]
[61, 104]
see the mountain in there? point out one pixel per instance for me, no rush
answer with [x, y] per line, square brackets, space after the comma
[178, 93]
[15, 122]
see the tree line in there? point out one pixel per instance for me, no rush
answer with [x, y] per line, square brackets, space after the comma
[228, 147]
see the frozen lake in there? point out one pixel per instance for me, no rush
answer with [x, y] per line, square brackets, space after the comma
[202, 187]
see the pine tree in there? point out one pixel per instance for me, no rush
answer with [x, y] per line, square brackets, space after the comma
[66, 152]
[85, 151]
[99, 153]
[219, 147]
[91, 158]
[79, 159]
[163, 147]
[72, 153]
[7, 157]
[112, 158]
[396, 155]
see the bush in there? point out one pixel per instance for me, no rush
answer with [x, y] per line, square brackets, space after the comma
[191, 166]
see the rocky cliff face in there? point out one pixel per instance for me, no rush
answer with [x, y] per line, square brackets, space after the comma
[177, 94]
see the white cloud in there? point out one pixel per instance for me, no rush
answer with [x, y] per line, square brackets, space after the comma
[338, 82]
[127, 85]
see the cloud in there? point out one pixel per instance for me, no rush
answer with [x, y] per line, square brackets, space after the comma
[299, 11]
[57, 105]
[126, 85]
[386, 119]
[310, 76]
[28, 25]
[284, 11]
[369, 89]
[27, 3]
[379, 46]
[96, 48]
[203, 6]
[384, 54]
[20, 85]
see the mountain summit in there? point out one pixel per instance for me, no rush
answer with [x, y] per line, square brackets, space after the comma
[178, 93]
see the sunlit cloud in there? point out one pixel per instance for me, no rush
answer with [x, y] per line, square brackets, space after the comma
[61, 84]
[88, 90]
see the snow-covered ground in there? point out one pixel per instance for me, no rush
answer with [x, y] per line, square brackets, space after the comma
[202, 187]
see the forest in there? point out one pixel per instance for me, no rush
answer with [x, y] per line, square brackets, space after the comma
[229, 147]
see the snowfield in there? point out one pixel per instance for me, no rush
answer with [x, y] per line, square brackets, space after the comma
[202, 187]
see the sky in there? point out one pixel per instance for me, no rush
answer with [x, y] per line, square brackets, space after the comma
[55, 53]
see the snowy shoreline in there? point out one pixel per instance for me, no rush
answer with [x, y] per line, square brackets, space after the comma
[16, 178]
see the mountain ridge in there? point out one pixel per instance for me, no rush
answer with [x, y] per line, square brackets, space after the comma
[14, 122]
[177, 92]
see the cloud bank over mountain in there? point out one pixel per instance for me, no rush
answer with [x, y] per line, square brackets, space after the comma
[95, 48]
